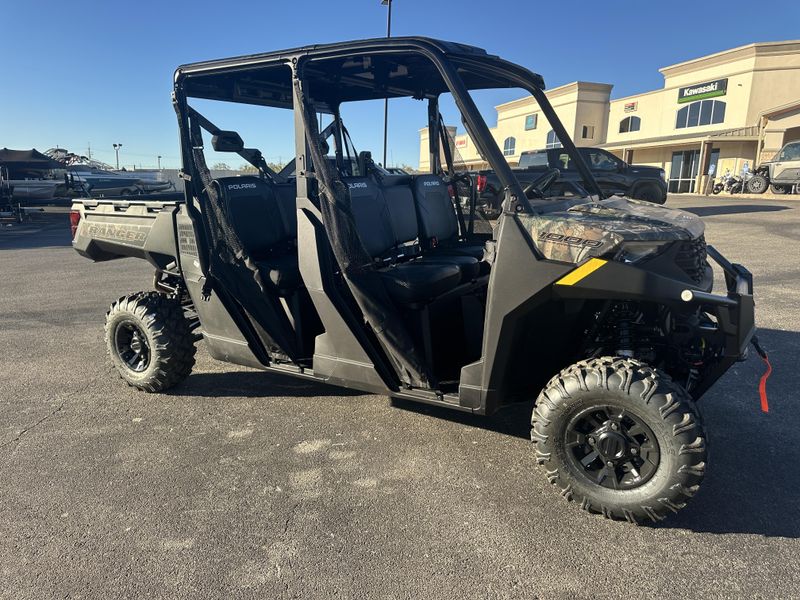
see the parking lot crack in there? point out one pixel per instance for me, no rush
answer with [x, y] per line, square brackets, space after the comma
[15, 442]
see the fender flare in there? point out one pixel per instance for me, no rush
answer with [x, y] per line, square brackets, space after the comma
[639, 183]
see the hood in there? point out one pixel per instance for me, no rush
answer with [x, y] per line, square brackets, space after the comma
[574, 231]
[645, 169]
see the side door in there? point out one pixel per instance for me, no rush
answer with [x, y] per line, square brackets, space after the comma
[786, 168]
[607, 169]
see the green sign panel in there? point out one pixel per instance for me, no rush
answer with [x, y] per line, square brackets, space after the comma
[701, 91]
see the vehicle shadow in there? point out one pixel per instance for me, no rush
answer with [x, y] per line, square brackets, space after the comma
[732, 209]
[256, 384]
[40, 230]
[752, 484]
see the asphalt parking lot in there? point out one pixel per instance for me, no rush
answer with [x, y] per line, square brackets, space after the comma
[243, 484]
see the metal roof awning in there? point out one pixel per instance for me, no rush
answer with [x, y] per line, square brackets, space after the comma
[739, 134]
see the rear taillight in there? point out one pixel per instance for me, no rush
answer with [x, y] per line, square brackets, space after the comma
[480, 183]
[451, 190]
[74, 221]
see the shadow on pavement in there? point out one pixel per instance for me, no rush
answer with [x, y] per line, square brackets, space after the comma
[753, 481]
[732, 209]
[255, 384]
[38, 231]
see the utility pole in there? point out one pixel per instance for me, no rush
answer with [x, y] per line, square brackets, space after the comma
[387, 3]
[116, 151]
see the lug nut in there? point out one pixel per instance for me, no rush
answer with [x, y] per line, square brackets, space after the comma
[614, 426]
[610, 463]
[634, 451]
[591, 441]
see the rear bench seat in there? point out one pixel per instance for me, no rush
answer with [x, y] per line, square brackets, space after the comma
[264, 217]
[388, 232]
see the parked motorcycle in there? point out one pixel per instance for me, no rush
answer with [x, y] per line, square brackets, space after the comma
[728, 183]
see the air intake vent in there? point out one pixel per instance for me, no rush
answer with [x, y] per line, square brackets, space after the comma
[186, 240]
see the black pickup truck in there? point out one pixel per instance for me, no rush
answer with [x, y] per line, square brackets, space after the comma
[614, 176]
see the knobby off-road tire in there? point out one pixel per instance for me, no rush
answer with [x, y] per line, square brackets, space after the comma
[652, 406]
[757, 184]
[150, 341]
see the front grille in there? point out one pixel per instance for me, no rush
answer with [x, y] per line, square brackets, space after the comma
[692, 258]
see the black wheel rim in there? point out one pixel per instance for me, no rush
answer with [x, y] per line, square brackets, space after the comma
[132, 346]
[612, 447]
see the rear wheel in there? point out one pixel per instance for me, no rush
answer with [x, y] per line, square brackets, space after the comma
[150, 341]
[757, 184]
[649, 192]
[780, 189]
[620, 438]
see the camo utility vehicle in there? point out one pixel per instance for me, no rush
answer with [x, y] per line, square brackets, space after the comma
[600, 310]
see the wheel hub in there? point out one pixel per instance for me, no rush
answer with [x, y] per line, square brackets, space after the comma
[612, 447]
[132, 347]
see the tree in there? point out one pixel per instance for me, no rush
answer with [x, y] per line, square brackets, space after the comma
[221, 166]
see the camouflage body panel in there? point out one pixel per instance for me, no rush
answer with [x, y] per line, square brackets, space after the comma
[574, 231]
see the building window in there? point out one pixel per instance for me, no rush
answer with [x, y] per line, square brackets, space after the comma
[588, 132]
[552, 140]
[509, 145]
[531, 121]
[629, 124]
[703, 112]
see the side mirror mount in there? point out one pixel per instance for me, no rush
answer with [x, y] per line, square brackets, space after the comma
[227, 141]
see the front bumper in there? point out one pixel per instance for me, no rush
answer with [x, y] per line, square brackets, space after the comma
[735, 315]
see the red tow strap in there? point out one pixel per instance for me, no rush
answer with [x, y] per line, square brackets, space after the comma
[762, 385]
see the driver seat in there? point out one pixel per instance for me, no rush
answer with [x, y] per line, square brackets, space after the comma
[438, 224]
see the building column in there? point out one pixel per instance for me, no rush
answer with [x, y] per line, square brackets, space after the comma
[702, 172]
[627, 155]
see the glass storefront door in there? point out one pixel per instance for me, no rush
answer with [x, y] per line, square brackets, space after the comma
[682, 175]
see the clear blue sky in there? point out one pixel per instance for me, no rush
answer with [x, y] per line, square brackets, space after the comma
[76, 71]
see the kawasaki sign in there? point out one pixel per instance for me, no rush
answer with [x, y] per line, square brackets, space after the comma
[700, 91]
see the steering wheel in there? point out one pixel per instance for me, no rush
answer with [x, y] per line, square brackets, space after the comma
[536, 188]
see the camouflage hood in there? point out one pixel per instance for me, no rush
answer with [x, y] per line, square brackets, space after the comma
[578, 230]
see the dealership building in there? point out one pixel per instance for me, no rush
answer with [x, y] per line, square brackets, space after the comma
[726, 111]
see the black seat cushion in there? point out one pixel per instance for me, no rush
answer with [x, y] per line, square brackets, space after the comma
[414, 282]
[468, 265]
[459, 249]
[281, 272]
[435, 210]
[257, 216]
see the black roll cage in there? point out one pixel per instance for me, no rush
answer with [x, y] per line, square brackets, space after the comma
[449, 59]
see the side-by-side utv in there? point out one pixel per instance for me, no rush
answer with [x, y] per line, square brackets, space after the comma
[337, 270]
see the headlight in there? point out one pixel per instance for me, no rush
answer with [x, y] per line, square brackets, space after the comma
[633, 252]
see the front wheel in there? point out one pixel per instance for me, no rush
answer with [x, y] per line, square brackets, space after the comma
[620, 438]
[757, 184]
[650, 192]
[150, 341]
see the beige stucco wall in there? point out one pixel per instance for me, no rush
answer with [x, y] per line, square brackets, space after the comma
[761, 78]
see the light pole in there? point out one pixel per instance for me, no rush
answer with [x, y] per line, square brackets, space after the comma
[159, 162]
[116, 151]
[387, 3]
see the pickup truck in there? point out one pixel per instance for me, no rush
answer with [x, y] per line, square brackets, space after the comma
[614, 176]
